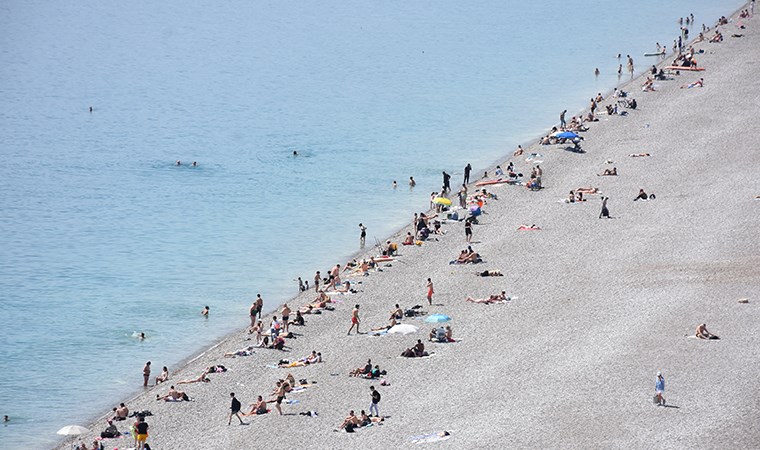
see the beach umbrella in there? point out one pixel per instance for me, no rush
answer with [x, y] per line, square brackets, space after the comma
[403, 328]
[566, 135]
[72, 430]
[442, 201]
[437, 318]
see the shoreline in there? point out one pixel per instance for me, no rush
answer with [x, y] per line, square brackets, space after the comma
[231, 339]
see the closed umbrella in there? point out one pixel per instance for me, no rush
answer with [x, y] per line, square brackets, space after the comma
[72, 430]
[403, 328]
[437, 318]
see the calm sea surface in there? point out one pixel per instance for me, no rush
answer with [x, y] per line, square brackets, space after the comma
[101, 235]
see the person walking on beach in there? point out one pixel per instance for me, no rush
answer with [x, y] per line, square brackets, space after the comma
[354, 320]
[317, 279]
[146, 373]
[285, 317]
[659, 388]
[235, 409]
[468, 230]
[467, 170]
[562, 123]
[363, 234]
[375, 400]
[446, 184]
[430, 291]
[605, 212]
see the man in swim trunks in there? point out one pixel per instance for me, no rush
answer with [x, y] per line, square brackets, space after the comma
[282, 388]
[354, 320]
[363, 234]
[285, 317]
[317, 279]
[146, 373]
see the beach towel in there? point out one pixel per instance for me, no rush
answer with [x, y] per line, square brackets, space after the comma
[430, 355]
[429, 438]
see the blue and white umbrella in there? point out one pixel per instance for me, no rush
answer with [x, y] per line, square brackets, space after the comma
[437, 318]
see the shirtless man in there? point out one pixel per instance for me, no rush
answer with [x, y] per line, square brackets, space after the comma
[283, 388]
[354, 320]
[608, 172]
[397, 313]
[146, 373]
[336, 273]
[122, 412]
[430, 291]
[285, 317]
[173, 394]
[260, 407]
[350, 422]
[419, 349]
[702, 333]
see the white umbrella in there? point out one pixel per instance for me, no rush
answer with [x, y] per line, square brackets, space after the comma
[403, 328]
[72, 430]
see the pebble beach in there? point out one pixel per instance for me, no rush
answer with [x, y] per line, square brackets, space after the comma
[598, 306]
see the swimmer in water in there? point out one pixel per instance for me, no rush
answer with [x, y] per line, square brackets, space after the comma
[141, 336]
[6, 418]
[412, 183]
[178, 163]
[195, 164]
[295, 153]
[395, 185]
[90, 111]
[204, 313]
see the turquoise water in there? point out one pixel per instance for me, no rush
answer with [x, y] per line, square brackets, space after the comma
[103, 236]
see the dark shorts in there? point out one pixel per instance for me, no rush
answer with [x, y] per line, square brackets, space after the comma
[285, 319]
[280, 399]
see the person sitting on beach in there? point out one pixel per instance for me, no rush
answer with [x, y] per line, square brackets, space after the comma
[571, 197]
[248, 351]
[345, 287]
[202, 378]
[702, 332]
[609, 172]
[359, 371]
[364, 419]
[173, 395]
[110, 432]
[419, 349]
[519, 151]
[533, 227]
[350, 423]
[390, 248]
[121, 413]
[298, 320]
[490, 273]
[409, 239]
[648, 85]
[642, 195]
[278, 343]
[397, 312]
[258, 408]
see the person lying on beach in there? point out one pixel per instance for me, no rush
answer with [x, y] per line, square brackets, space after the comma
[258, 408]
[467, 257]
[698, 83]
[248, 351]
[345, 288]
[350, 422]
[490, 273]
[639, 155]
[392, 323]
[314, 358]
[202, 378]
[173, 395]
[491, 299]
[702, 332]
[359, 371]
[608, 172]
[409, 239]
[533, 227]
[588, 190]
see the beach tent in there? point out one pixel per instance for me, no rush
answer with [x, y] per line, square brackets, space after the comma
[403, 328]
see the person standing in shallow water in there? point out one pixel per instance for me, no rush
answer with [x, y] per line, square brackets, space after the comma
[146, 373]
[467, 170]
[363, 235]
[446, 183]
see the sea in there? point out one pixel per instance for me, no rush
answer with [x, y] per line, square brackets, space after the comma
[104, 236]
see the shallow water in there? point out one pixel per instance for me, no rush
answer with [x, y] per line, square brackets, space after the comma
[103, 236]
